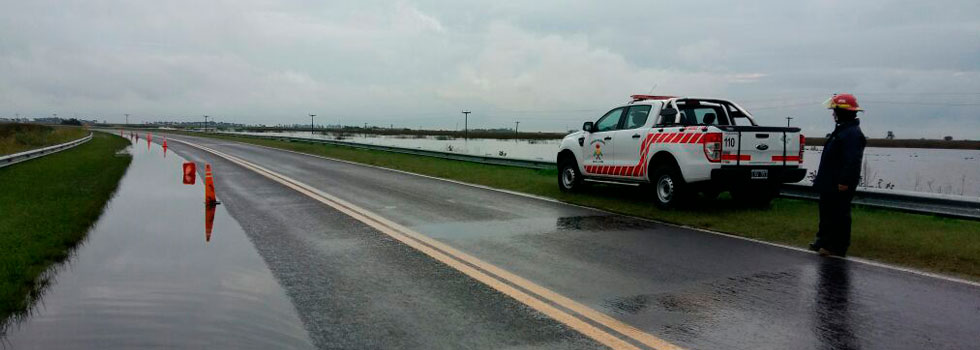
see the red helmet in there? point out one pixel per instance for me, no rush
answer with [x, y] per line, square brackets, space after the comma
[843, 101]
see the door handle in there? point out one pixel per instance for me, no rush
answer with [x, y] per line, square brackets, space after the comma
[607, 138]
[636, 136]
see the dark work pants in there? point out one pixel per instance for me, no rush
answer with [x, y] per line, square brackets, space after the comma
[834, 233]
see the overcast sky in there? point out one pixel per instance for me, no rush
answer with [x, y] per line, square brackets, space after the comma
[914, 65]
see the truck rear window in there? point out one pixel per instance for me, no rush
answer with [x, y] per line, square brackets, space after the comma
[703, 115]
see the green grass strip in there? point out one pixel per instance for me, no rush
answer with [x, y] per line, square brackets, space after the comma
[46, 208]
[932, 243]
[15, 138]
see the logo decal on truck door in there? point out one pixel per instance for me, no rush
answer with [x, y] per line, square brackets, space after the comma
[597, 151]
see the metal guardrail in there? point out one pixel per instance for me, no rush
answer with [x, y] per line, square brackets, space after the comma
[41, 152]
[914, 202]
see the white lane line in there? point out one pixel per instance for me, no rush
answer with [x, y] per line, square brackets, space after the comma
[728, 235]
[504, 281]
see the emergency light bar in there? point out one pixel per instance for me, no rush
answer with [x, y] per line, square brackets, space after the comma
[637, 98]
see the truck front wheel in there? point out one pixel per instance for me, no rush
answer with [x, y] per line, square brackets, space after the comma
[668, 187]
[569, 177]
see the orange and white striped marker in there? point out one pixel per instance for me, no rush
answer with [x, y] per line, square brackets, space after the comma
[209, 198]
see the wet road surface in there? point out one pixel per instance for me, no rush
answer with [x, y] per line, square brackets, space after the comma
[146, 276]
[353, 287]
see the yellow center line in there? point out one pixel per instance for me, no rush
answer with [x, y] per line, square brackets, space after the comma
[472, 266]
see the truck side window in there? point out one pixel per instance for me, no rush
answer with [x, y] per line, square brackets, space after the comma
[637, 116]
[610, 121]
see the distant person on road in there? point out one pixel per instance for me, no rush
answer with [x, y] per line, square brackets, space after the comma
[838, 175]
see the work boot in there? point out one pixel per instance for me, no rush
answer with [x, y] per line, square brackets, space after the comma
[827, 252]
[815, 246]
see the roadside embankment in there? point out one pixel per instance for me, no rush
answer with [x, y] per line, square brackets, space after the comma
[16, 138]
[47, 206]
[943, 245]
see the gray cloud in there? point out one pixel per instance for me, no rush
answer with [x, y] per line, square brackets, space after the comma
[914, 65]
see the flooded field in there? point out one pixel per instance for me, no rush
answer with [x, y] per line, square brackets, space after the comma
[519, 149]
[151, 275]
[954, 172]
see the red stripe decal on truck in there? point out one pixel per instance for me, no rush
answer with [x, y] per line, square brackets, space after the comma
[786, 158]
[743, 157]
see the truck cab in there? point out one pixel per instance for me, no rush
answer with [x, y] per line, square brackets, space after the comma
[680, 146]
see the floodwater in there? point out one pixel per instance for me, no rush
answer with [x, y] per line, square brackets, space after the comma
[945, 171]
[149, 276]
[544, 150]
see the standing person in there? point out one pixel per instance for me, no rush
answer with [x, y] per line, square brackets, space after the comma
[838, 175]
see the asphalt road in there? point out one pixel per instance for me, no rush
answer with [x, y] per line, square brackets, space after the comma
[355, 287]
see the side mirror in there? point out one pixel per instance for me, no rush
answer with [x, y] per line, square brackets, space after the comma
[587, 126]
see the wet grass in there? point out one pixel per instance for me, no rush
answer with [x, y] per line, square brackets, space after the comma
[47, 206]
[15, 138]
[949, 246]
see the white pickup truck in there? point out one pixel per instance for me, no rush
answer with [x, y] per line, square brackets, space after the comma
[682, 146]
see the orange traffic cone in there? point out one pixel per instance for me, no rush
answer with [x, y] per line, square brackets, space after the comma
[209, 186]
[208, 222]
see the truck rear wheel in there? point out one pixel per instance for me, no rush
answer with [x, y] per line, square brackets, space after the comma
[669, 189]
[569, 177]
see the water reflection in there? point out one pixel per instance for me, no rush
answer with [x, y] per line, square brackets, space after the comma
[833, 314]
[143, 279]
[208, 221]
[602, 222]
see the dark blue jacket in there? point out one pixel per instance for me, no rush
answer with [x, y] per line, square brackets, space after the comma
[840, 163]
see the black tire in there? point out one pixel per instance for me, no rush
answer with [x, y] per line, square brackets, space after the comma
[669, 189]
[758, 196]
[569, 177]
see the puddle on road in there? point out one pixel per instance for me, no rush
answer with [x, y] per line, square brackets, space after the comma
[149, 276]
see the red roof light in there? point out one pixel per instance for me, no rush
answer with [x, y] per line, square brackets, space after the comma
[650, 97]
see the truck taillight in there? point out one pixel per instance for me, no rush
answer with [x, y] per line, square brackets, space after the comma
[802, 147]
[712, 146]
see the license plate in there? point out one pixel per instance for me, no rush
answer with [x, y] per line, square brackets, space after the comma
[760, 174]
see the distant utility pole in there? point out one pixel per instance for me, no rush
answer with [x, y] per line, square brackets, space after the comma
[516, 124]
[127, 119]
[787, 120]
[205, 124]
[311, 123]
[466, 124]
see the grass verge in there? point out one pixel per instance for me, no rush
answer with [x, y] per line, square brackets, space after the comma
[944, 245]
[15, 138]
[48, 204]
